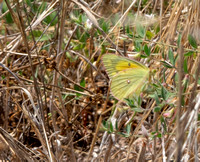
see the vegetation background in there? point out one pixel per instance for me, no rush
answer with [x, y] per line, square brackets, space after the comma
[54, 92]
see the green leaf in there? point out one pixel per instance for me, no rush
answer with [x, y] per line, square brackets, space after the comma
[192, 41]
[77, 88]
[149, 35]
[28, 2]
[147, 50]
[190, 53]
[8, 16]
[78, 34]
[130, 103]
[137, 109]
[157, 29]
[80, 20]
[103, 49]
[116, 125]
[163, 54]
[111, 127]
[185, 65]
[185, 83]
[20, 73]
[127, 29]
[36, 33]
[143, 56]
[128, 128]
[32, 5]
[77, 47]
[129, 32]
[179, 39]
[171, 56]
[166, 64]
[42, 7]
[52, 18]
[104, 123]
[82, 83]
[49, 115]
[163, 93]
[105, 27]
[157, 49]
[138, 46]
[159, 135]
[139, 101]
[45, 37]
[84, 37]
[3, 77]
[155, 96]
[140, 30]
[157, 109]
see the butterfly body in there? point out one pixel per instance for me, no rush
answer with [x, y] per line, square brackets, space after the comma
[127, 75]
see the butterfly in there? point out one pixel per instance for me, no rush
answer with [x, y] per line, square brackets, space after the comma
[127, 75]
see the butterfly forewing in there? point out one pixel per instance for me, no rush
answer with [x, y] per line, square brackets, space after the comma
[115, 64]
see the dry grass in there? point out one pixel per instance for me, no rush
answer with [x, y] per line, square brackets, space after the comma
[54, 92]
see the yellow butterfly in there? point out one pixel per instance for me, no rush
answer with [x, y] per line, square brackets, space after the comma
[127, 76]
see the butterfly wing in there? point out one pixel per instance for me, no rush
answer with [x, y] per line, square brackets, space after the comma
[115, 64]
[127, 75]
[128, 82]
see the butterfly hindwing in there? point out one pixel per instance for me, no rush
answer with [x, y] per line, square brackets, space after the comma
[126, 82]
